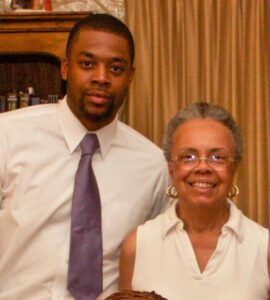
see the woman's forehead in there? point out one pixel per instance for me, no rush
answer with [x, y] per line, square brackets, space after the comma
[203, 133]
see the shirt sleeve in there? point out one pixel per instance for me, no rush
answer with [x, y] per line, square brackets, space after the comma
[2, 164]
[160, 200]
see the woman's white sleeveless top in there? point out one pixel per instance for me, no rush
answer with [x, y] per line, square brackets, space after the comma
[237, 270]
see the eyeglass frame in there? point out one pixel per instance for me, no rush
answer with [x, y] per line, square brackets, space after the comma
[198, 159]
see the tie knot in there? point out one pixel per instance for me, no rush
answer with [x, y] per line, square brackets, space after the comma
[89, 144]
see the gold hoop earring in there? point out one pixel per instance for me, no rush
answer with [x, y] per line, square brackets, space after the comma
[171, 192]
[234, 192]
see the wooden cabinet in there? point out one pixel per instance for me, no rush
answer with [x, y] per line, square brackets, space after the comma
[36, 32]
[31, 48]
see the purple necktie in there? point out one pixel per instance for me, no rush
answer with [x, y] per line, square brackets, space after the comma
[85, 258]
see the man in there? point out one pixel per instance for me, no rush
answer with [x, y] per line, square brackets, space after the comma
[40, 152]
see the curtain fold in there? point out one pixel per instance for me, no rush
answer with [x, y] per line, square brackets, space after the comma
[216, 51]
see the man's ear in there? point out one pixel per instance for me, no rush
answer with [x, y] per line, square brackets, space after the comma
[64, 69]
[131, 76]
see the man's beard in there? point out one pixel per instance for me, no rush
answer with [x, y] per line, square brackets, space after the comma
[107, 114]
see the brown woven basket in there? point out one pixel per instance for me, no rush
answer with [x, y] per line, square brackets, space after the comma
[130, 295]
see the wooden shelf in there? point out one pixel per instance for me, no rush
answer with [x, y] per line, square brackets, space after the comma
[32, 46]
[36, 32]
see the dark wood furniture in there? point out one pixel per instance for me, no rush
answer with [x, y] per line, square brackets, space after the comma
[32, 46]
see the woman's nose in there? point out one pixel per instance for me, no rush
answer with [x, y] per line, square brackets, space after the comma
[203, 163]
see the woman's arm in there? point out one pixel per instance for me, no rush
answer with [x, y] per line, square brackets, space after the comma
[127, 261]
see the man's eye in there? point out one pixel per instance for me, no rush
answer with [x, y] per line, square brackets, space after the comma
[86, 64]
[117, 69]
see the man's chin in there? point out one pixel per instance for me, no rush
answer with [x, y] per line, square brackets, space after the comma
[100, 117]
[98, 114]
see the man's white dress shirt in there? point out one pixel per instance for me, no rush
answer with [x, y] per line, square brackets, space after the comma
[39, 156]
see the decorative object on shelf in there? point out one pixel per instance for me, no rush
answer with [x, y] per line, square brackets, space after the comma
[27, 5]
[24, 99]
[21, 5]
[47, 5]
[3, 104]
[12, 101]
[52, 98]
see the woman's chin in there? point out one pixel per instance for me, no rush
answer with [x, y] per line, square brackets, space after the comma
[203, 202]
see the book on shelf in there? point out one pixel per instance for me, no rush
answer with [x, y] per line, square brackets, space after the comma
[13, 101]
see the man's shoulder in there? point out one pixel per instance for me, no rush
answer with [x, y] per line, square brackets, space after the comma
[27, 112]
[28, 115]
[137, 140]
[153, 228]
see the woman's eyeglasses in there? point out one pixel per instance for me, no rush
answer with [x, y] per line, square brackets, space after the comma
[191, 161]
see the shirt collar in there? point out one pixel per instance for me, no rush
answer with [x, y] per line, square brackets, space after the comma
[171, 220]
[234, 223]
[74, 131]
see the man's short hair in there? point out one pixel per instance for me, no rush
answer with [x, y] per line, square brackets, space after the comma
[102, 22]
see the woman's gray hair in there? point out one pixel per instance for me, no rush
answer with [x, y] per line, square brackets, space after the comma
[202, 110]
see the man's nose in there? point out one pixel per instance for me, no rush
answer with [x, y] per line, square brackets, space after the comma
[101, 75]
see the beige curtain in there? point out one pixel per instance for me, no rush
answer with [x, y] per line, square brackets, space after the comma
[213, 50]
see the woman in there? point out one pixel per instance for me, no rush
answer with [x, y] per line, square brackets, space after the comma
[202, 247]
